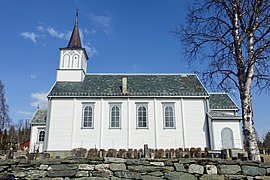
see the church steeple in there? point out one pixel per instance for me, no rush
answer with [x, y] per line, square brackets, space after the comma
[75, 40]
[73, 58]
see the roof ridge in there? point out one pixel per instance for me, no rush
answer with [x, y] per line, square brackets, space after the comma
[218, 93]
[140, 74]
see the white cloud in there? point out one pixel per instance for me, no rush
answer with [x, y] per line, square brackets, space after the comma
[33, 76]
[103, 22]
[91, 31]
[40, 100]
[26, 113]
[30, 35]
[55, 33]
[90, 50]
[41, 28]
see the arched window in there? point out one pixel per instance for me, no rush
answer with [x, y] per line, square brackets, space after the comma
[227, 138]
[66, 61]
[88, 117]
[115, 117]
[41, 136]
[168, 117]
[142, 117]
[75, 63]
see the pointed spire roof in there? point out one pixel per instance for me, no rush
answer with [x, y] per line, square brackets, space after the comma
[75, 40]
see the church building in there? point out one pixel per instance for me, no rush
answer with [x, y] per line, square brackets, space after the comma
[124, 111]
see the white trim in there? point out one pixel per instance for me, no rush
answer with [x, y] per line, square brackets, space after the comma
[121, 96]
[155, 123]
[84, 105]
[100, 125]
[134, 74]
[138, 105]
[39, 130]
[112, 105]
[164, 106]
[183, 123]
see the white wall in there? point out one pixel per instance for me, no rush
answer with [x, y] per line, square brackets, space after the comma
[70, 75]
[195, 123]
[234, 125]
[60, 125]
[66, 130]
[34, 144]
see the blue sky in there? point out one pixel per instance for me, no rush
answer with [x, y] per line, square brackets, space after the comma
[131, 36]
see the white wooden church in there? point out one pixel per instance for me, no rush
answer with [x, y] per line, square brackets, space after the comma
[130, 110]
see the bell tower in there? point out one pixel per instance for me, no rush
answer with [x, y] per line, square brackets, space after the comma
[73, 58]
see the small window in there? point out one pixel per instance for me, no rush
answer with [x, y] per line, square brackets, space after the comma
[115, 115]
[142, 116]
[41, 136]
[168, 115]
[88, 121]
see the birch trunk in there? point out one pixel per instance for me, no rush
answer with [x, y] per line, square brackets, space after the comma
[248, 128]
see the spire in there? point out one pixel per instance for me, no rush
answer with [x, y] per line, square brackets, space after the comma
[75, 40]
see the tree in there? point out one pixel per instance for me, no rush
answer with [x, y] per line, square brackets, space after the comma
[4, 118]
[232, 39]
[266, 142]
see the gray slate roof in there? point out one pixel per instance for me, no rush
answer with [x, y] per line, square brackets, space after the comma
[39, 117]
[138, 85]
[221, 101]
[222, 115]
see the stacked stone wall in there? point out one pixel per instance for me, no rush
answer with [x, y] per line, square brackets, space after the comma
[119, 168]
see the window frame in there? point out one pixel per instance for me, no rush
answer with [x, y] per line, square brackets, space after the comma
[112, 105]
[145, 105]
[164, 106]
[84, 105]
[39, 132]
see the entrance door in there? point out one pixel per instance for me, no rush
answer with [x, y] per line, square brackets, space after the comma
[227, 138]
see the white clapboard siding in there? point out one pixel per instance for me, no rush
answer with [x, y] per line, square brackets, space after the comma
[137, 136]
[86, 137]
[114, 137]
[234, 125]
[60, 132]
[170, 137]
[33, 138]
[195, 123]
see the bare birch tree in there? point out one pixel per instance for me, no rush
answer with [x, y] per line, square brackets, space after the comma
[231, 41]
[4, 118]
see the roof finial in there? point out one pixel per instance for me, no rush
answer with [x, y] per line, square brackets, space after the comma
[77, 12]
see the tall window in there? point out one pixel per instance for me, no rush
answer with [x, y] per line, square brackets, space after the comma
[41, 136]
[115, 116]
[168, 115]
[142, 117]
[88, 116]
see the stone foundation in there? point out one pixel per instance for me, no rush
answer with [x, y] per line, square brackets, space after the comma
[119, 168]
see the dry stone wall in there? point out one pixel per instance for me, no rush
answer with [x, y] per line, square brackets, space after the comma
[146, 169]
